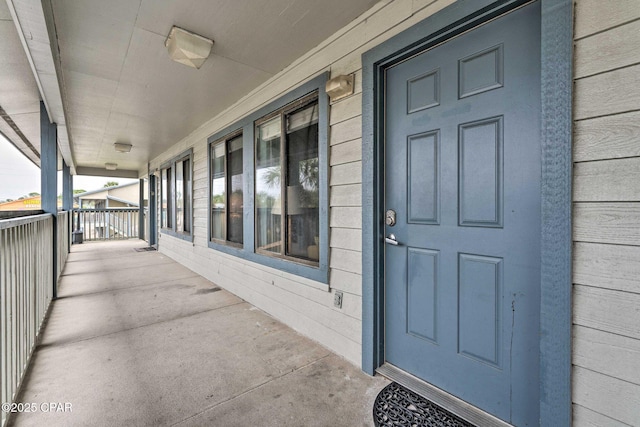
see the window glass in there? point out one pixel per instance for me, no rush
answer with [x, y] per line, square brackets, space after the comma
[302, 184]
[179, 196]
[187, 195]
[236, 199]
[218, 192]
[167, 198]
[268, 187]
[176, 195]
[163, 199]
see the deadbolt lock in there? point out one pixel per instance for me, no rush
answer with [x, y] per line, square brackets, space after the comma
[390, 218]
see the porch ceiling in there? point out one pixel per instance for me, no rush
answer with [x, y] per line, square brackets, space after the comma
[119, 84]
[19, 97]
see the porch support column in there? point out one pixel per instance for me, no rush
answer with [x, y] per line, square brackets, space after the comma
[67, 188]
[67, 195]
[48, 180]
[153, 217]
[141, 212]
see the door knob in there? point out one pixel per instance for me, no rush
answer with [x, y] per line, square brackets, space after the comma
[391, 239]
[390, 218]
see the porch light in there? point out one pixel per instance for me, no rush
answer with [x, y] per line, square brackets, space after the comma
[110, 166]
[188, 48]
[340, 87]
[122, 147]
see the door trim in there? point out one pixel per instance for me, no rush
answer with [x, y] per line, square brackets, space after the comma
[556, 183]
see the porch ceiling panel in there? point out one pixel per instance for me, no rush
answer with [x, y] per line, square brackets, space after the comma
[38, 59]
[19, 96]
[121, 85]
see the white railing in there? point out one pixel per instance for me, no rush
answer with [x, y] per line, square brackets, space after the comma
[107, 224]
[146, 224]
[26, 290]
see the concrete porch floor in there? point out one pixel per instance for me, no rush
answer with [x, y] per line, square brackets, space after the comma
[137, 339]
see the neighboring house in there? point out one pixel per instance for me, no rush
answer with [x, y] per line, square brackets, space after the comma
[26, 204]
[118, 196]
[107, 222]
[466, 222]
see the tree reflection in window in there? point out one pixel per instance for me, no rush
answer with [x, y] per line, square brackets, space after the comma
[295, 234]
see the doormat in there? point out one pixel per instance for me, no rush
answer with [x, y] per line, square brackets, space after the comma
[145, 249]
[398, 406]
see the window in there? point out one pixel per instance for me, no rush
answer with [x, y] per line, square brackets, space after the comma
[183, 195]
[268, 184]
[176, 200]
[166, 198]
[287, 217]
[227, 199]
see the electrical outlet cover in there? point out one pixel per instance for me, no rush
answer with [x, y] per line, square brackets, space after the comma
[337, 299]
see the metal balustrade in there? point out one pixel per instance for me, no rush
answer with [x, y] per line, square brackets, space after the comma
[26, 290]
[106, 224]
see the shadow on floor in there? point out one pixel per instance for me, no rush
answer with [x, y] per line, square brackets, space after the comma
[137, 339]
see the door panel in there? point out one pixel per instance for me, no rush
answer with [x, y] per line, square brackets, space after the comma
[462, 172]
[479, 315]
[423, 193]
[480, 173]
[422, 288]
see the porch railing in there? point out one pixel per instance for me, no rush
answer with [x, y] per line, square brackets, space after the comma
[106, 224]
[26, 290]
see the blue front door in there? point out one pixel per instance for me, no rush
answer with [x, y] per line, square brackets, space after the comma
[462, 175]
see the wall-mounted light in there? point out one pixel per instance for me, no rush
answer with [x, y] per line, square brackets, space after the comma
[122, 147]
[340, 87]
[188, 48]
[110, 166]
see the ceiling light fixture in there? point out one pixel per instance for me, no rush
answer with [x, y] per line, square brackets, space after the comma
[122, 147]
[110, 166]
[188, 48]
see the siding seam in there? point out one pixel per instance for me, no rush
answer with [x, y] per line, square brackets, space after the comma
[608, 70]
[607, 29]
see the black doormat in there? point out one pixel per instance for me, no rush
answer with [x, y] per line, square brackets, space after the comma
[398, 406]
[145, 249]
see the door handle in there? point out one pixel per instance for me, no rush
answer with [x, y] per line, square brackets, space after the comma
[391, 239]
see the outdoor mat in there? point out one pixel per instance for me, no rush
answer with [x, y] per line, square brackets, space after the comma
[145, 249]
[398, 406]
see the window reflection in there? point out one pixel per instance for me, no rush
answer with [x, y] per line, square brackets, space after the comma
[218, 192]
[302, 186]
[227, 200]
[268, 187]
[294, 193]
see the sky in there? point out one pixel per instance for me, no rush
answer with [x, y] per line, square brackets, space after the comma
[19, 176]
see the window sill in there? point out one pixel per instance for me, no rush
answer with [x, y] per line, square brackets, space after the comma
[316, 276]
[184, 236]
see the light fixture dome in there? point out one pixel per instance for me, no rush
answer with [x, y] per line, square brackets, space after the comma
[122, 147]
[188, 48]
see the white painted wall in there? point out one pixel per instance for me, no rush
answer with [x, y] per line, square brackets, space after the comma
[606, 234]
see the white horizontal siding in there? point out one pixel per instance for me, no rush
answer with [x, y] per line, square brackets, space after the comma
[584, 417]
[608, 137]
[606, 271]
[301, 303]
